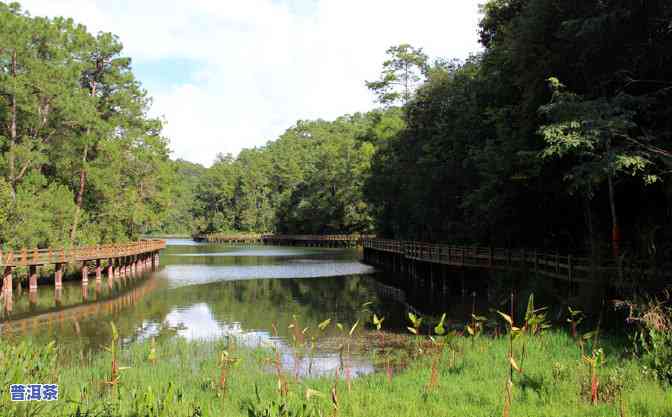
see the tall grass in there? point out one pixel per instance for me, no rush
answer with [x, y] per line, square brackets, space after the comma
[198, 378]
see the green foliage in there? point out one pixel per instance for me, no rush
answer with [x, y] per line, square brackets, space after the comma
[653, 332]
[405, 68]
[310, 180]
[25, 363]
[81, 162]
[490, 154]
[554, 384]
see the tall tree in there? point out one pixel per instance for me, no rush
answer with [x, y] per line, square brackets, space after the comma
[402, 72]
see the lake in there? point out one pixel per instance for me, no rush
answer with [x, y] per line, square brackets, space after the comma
[207, 291]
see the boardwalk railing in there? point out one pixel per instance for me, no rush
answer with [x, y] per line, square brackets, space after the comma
[26, 257]
[309, 240]
[121, 261]
[229, 238]
[566, 267]
[324, 238]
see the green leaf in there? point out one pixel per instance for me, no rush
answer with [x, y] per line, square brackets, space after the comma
[352, 329]
[324, 324]
[506, 317]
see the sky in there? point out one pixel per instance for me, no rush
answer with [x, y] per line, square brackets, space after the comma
[232, 74]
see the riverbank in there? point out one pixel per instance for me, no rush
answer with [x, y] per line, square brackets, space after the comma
[174, 377]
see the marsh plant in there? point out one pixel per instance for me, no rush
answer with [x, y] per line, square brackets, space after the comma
[298, 343]
[314, 336]
[594, 361]
[152, 356]
[345, 351]
[115, 369]
[652, 338]
[283, 385]
[226, 361]
[575, 318]
[514, 332]
[378, 324]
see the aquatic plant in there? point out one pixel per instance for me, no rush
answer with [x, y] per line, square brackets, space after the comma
[283, 386]
[298, 343]
[345, 348]
[378, 323]
[314, 336]
[115, 369]
[514, 332]
[593, 361]
[575, 318]
[152, 356]
[225, 362]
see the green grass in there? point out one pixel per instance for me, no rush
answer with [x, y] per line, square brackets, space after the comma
[184, 381]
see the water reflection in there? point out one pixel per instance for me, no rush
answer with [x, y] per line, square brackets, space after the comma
[208, 291]
[198, 322]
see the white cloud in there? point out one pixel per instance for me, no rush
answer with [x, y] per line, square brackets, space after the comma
[263, 64]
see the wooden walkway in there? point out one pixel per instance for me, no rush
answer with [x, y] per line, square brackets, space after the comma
[80, 311]
[342, 240]
[315, 240]
[565, 267]
[122, 260]
[229, 238]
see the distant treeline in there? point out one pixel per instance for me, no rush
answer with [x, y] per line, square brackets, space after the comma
[557, 135]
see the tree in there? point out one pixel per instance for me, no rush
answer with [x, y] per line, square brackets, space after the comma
[402, 72]
[598, 134]
[80, 162]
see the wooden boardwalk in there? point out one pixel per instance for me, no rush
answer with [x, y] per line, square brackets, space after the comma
[342, 240]
[80, 311]
[315, 240]
[121, 260]
[249, 239]
[564, 267]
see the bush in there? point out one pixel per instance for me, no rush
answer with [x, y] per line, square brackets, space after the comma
[653, 338]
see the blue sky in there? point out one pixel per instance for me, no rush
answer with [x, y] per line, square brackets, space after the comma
[233, 74]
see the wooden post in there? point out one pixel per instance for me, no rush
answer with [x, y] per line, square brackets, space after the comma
[490, 257]
[85, 274]
[117, 268]
[569, 270]
[58, 276]
[85, 281]
[32, 284]
[110, 271]
[99, 271]
[7, 291]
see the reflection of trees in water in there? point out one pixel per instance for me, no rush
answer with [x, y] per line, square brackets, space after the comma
[259, 303]
[255, 304]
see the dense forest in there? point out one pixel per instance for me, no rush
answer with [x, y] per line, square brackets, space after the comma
[557, 135]
[81, 162]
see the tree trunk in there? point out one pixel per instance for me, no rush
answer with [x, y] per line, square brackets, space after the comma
[615, 230]
[589, 224]
[12, 133]
[82, 173]
[80, 195]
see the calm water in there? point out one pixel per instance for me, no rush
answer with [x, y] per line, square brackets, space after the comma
[205, 291]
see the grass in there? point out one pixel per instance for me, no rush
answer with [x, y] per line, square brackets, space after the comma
[174, 377]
